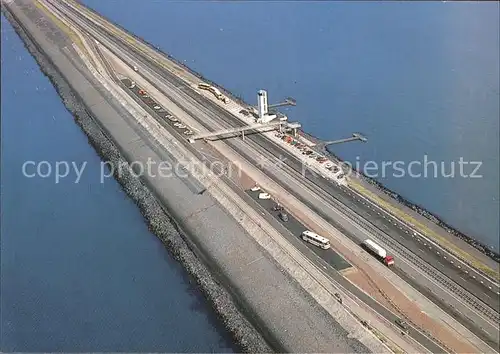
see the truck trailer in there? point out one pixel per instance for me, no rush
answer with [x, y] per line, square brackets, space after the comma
[378, 252]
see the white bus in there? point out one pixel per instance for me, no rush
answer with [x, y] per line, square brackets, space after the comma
[316, 239]
[204, 86]
[214, 90]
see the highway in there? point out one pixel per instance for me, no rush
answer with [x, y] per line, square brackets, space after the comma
[323, 259]
[481, 285]
[337, 205]
[458, 271]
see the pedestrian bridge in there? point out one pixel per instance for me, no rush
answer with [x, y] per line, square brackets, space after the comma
[241, 130]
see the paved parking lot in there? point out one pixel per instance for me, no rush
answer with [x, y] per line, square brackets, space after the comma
[162, 112]
[296, 229]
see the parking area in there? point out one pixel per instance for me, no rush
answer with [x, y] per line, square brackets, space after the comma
[169, 118]
[296, 228]
[288, 221]
[331, 169]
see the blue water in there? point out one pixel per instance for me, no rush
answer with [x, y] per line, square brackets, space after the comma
[417, 79]
[79, 269]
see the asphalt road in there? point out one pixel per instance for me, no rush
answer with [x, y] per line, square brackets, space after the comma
[479, 333]
[326, 260]
[377, 220]
[398, 232]
[296, 228]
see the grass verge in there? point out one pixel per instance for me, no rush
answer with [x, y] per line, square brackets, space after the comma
[75, 38]
[71, 34]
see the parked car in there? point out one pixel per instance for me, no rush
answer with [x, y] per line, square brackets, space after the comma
[255, 189]
[264, 196]
[283, 216]
[277, 207]
[403, 325]
[188, 132]
[157, 107]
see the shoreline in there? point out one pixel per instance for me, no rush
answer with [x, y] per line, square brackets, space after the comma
[245, 337]
[431, 217]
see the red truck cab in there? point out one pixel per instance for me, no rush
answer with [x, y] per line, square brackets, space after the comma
[389, 260]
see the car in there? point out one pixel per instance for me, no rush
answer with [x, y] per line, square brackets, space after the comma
[341, 175]
[264, 196]
[255, 189]
[283, 216]
[173, 119]
[177, 124]
[309, 152]
[136, 68]
[181, 126]
[277, 207]
[403, 325]
[188, 132]
[157, 107]
[328, 165]
[338, 297]
[335, 169]
[132, 85]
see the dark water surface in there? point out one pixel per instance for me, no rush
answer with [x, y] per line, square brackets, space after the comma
[79, 269]
[420, 80]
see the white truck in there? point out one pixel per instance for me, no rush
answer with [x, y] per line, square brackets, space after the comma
[378, 251]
